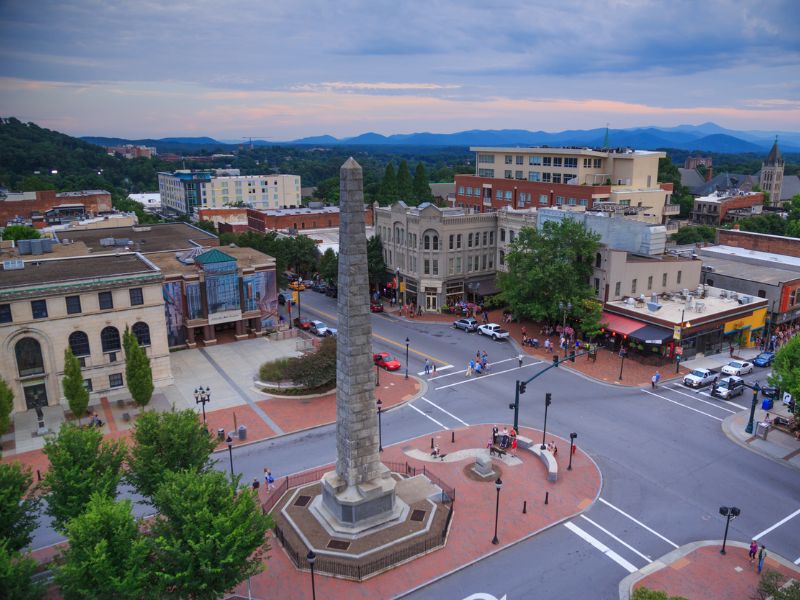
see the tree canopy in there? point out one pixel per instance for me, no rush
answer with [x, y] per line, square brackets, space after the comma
[329, 266]
[6, 405]
[16, 571]
[668, 173]
[786, 370]
[20, 232]
[74, 389]
[694, 234]
[19, 507]
[138, 373]
[376, 266]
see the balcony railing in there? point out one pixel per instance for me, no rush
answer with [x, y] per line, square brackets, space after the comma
[672, 209]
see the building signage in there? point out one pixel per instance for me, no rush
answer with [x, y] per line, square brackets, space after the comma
[224, 316]
[676, 333]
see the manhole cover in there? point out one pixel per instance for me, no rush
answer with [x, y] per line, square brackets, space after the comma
[338, 545]
[302, 500]
[417, 515]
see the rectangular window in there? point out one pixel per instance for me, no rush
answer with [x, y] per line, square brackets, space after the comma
[485, 172]
[572, 202]
[499, 194]
[547, 161]
[461, 190]
[508, 195]
[546, 177]
[509, 159]
[556, 161]
[680, 273]
[587, 163]
[596, 285]
[451, 240]
[535, 160]
[477, 258]
[559, 200]
[485, 237]
[650, 282]
[507, 174]
[571, 163]
[518, 175]
[534, 176]
[435, 267]
[469, 191]
[5, 313]
[458, 241]
[483, 262]
[458, 264]
[137, 297]
[664, 280]
[520, 160]
[543, 199]
[87, 383]
[427, 266]
[486, 158]
[115, 380]
[39, 309]
[491, 238]
[450, 263]
[73, 305]
[584, 202]
[598, 163]
[633, 286]
[106, 300]
[502, 235]
[618, 289]
[556, 177]
[469, 241]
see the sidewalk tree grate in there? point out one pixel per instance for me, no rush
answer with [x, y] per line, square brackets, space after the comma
[302, 500]
[338, 545]
[417, 515]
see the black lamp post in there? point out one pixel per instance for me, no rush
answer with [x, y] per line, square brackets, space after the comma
[622, 353]
[749, 428]
[229, 441]
[377, 375]
[497, 484]
[312, 558]
[731, 512]
[407, 343]
[547, 400]
[202, 396]
[565, 308]
[572, 437]
[380, 426]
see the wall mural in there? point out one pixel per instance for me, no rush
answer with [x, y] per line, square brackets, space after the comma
[261, 293]
[173, 311]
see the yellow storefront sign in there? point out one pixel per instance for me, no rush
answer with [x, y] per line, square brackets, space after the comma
[749, 323]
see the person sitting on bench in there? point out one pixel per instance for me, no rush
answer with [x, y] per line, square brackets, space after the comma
[95, 421]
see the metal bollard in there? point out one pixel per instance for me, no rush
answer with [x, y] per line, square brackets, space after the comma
[525, 507]
[431, 443]
[452, 437]
[546, 497]
[38, 475]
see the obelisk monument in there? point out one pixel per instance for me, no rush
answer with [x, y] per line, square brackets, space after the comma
[360, 494]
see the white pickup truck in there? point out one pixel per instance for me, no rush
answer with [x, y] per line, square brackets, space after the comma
[493, 330]
[700, 377]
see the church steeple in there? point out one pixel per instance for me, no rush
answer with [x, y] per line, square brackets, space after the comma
[774, 157]
[771, 179]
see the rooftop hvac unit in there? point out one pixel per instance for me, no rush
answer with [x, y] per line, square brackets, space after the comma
[685, 292]
[653, 306]
[630, 301]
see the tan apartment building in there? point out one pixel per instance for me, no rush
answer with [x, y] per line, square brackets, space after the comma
[260, 192]
[619, 274]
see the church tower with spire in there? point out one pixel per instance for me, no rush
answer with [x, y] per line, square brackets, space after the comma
[772, 174]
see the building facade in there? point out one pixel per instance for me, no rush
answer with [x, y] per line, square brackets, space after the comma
[619, 274]
[34, 207]
[722, 206]
[83, 303]
[298, 219]
[255, 191]
[130, 151]
[181, 191]
[771, 179]
[618, 180]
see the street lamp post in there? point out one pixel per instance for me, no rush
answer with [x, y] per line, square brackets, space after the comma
[749, 428]
[730, 512]
[377, 375]
[497, 484]
[565, 308]
[547, 399]
[202, 396]
[380, 426]
[229, 441]
[312, 558]
[572, 437]
[407, 343]
[622, 353]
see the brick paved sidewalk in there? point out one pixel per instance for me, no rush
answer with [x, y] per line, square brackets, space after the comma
[699, 572]
[473, 518]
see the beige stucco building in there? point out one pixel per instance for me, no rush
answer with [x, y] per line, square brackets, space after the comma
[85, 303]
[619, 274]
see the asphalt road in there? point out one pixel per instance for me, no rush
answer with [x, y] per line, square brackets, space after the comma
[667, 466]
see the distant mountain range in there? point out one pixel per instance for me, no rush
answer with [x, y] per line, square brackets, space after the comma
[708, 137]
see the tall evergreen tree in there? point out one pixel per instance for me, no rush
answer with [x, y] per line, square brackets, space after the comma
[137, 370]
[388, 194]
[422, 191]
[74, 389]
[6, 405]
[376, 266]
[405, 190]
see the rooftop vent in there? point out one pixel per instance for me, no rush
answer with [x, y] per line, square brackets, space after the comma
[13, 265]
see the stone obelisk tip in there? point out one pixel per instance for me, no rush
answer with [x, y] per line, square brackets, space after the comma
[350, 164]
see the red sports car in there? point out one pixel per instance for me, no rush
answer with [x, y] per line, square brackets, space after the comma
[376, 307]
[386, 360]
[303, 323]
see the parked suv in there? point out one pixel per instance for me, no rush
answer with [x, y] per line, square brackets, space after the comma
[728, 388]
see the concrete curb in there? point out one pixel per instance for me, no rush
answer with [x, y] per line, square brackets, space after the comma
[626, 585]
[727, 429]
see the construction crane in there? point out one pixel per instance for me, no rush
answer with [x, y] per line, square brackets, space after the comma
[250, 138]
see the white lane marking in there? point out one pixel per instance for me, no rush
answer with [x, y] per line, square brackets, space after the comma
[444, 368]
[428, 416]
[639, 523]
[484, 596]
[601, 546]
[797, 562]
[461, 372]
[479, 377]
[679, 388]
[612, 536]
[678, 403]
[715, 404]
[778, 524]
[444, 411]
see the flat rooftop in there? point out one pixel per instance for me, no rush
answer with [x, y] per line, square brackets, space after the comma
[47, 271]
[674, 308]
[615, 152]
[246, 258]
[745, 255]
[144, 238]
[718, 197]
[748, 272]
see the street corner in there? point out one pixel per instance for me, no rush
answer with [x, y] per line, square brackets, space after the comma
[699, 571]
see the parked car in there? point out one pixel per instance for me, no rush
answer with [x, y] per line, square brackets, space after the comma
[728, 387]
[297, 286]
[386, 360]
[303, 324]
[764, 359]
[319, 328]
[320, 287]
[737, 367]
[308, 282]
[375, 307]
[494, 331]
[699, 377]
[468, 324]
[332, 291]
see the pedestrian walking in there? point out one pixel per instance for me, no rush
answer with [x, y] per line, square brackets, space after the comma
[434, 368]
[524, 331]
[269, 480]
[256, 484]
[762, 556]
[753, 550]
[470, 368]
[548, 345]
[654, 380]
[478, 368]
[427, 367]
[519, 358]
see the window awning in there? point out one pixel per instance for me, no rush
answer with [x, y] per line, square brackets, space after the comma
[652, 334]
[620, 324]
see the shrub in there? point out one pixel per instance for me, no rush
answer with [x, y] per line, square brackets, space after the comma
[274, 370]
[311, 371]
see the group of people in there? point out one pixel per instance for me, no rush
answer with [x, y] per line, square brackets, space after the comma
[479, 364]
[781, 335]
[269, 481]
[505, 440]
[762, 554]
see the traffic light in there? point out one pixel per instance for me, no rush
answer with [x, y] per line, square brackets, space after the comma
[522, 386]
[555, 361]
[547, 399]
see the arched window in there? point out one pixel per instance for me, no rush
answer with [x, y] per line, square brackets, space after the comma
[109, 337]
[436, 242]
[142, 333]
[79, 343]
[29, 357]
[597, 260]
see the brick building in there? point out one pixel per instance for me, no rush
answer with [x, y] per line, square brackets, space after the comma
[718, 207]
[776, 244]
[298, 218]
[34, 207]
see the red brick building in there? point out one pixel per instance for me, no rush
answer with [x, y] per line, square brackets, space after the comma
[482, 193]
[33, 206]
[298, 218]
[719, 207]
[762, 242]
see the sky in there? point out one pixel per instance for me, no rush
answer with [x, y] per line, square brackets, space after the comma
[285, 69]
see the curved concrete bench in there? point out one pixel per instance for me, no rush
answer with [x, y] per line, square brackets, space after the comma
[545, 456]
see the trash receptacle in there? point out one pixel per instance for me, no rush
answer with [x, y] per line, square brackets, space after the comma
[767, 404]
[762, 430]
[221, 433]
[242, 432]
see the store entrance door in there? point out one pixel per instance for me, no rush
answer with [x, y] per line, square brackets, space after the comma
[430, 300]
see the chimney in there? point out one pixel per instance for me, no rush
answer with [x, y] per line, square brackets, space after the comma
[709, 173]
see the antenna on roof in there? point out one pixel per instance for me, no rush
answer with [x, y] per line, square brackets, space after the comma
[605, 138]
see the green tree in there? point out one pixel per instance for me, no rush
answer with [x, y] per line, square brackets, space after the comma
[317, 370]
[669, 173]
[549, 266]
[20, 232]
[405, 189]
[6, 405]
[769, 223]
[643, 593]
[388, 193]
[168, 441]
[786, 370]
[74, 389]
[590, 318]
[16, 571]
[19, 508]
[328, 190]
[329, 266]
[772, 586]
[138, 373]
[303, 254]
[107, 556]
[81, 464]
[208, 537]
[694, 234]
[376, 266]
[422, 189]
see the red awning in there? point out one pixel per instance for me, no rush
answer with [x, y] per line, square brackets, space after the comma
[619, 324]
